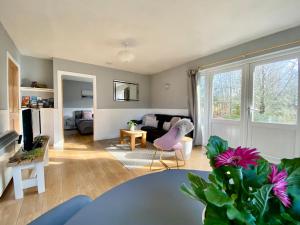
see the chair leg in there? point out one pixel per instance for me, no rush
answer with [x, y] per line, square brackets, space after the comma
[153, 159]
[176, 160]
[182, 157]
[162, 162]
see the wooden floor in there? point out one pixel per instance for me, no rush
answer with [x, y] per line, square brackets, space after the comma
[83, 167]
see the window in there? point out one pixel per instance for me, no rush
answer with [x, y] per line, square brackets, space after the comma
[275, 92]
[227, 95]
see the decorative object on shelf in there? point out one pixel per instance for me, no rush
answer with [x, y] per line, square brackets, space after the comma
[125, 55]
[25, 101]
[36, 102]
[131, 124]
[126, 91]
[35, 84]
[244, 188]
[33, 101]
[87, 93]
[51, 102]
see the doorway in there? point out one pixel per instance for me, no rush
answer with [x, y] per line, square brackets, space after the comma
[60, 122]
[78, 109]
[13, 79]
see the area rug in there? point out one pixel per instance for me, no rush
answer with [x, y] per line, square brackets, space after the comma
[138, 158]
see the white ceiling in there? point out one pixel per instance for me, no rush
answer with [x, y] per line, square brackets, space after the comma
[163, 33]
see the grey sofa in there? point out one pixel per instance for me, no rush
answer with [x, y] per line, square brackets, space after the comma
[84, 126]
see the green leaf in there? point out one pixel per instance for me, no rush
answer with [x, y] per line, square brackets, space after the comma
[215, 146]
[241, 216]
[261, 198]
[197, 181]
[294, 183]
[189, 192]
[216, 216]
[213, 178]
[289, 219]
[216, 196]
[289, 165]
[196, 191]
[256, 176]
[295, 209]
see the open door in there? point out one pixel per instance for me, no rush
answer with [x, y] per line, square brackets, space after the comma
[14, 96]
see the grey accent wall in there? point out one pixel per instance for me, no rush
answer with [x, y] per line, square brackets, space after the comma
[36, 69]
[72, 94]
[177, 77]
[174, 97]
[6, 45]
[104, 80]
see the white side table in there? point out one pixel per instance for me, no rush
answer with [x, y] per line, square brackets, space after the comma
[36, 178]
[186, 151]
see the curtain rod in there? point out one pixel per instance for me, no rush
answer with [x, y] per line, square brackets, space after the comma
[247, 54]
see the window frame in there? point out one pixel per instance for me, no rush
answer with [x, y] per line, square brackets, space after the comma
[251, 91]
[213, 73]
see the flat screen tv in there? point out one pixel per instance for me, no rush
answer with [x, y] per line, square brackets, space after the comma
[27, 129]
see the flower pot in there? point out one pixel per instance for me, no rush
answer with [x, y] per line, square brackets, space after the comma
[132, 128]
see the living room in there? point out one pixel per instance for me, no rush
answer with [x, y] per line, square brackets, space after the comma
[129, 97]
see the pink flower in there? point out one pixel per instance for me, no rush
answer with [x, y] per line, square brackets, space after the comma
[278, 179]
[237, 157]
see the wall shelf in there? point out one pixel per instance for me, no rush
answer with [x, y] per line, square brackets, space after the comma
[37, 89]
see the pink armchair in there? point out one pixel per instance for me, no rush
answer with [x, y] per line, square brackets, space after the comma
[170, 142]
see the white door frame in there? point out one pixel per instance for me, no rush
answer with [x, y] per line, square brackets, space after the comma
[58, 125]
[242, 123]
[291, 127]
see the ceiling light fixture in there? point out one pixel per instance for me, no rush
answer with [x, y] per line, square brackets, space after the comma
[125, 55]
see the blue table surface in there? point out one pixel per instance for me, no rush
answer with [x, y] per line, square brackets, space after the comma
[153, 199]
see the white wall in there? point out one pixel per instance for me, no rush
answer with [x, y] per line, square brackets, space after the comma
[36, 69]
[176, 96]
[110, 121]
[4, 121]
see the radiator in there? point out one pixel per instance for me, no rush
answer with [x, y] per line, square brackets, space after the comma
[8, 146]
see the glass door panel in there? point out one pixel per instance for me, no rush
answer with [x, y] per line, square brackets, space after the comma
[275, 92]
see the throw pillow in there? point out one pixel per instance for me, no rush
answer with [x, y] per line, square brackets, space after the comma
[174, 120]
[147, 117]
[166, 126]
[87, 115]
[151, 122]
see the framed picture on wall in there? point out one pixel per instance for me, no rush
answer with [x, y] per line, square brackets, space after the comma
[86, 93]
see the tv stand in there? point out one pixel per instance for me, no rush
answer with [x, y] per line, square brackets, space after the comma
[34, 160]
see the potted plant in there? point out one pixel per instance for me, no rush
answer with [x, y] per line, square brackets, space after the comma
[244, 188]
[131, 124]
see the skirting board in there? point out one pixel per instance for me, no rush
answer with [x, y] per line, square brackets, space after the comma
[110, 121]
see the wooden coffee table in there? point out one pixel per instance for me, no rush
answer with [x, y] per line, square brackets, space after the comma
[133, 135]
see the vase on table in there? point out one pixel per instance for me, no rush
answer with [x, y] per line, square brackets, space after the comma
[132, 128]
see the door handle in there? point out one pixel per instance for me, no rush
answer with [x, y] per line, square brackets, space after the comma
[250, 109]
